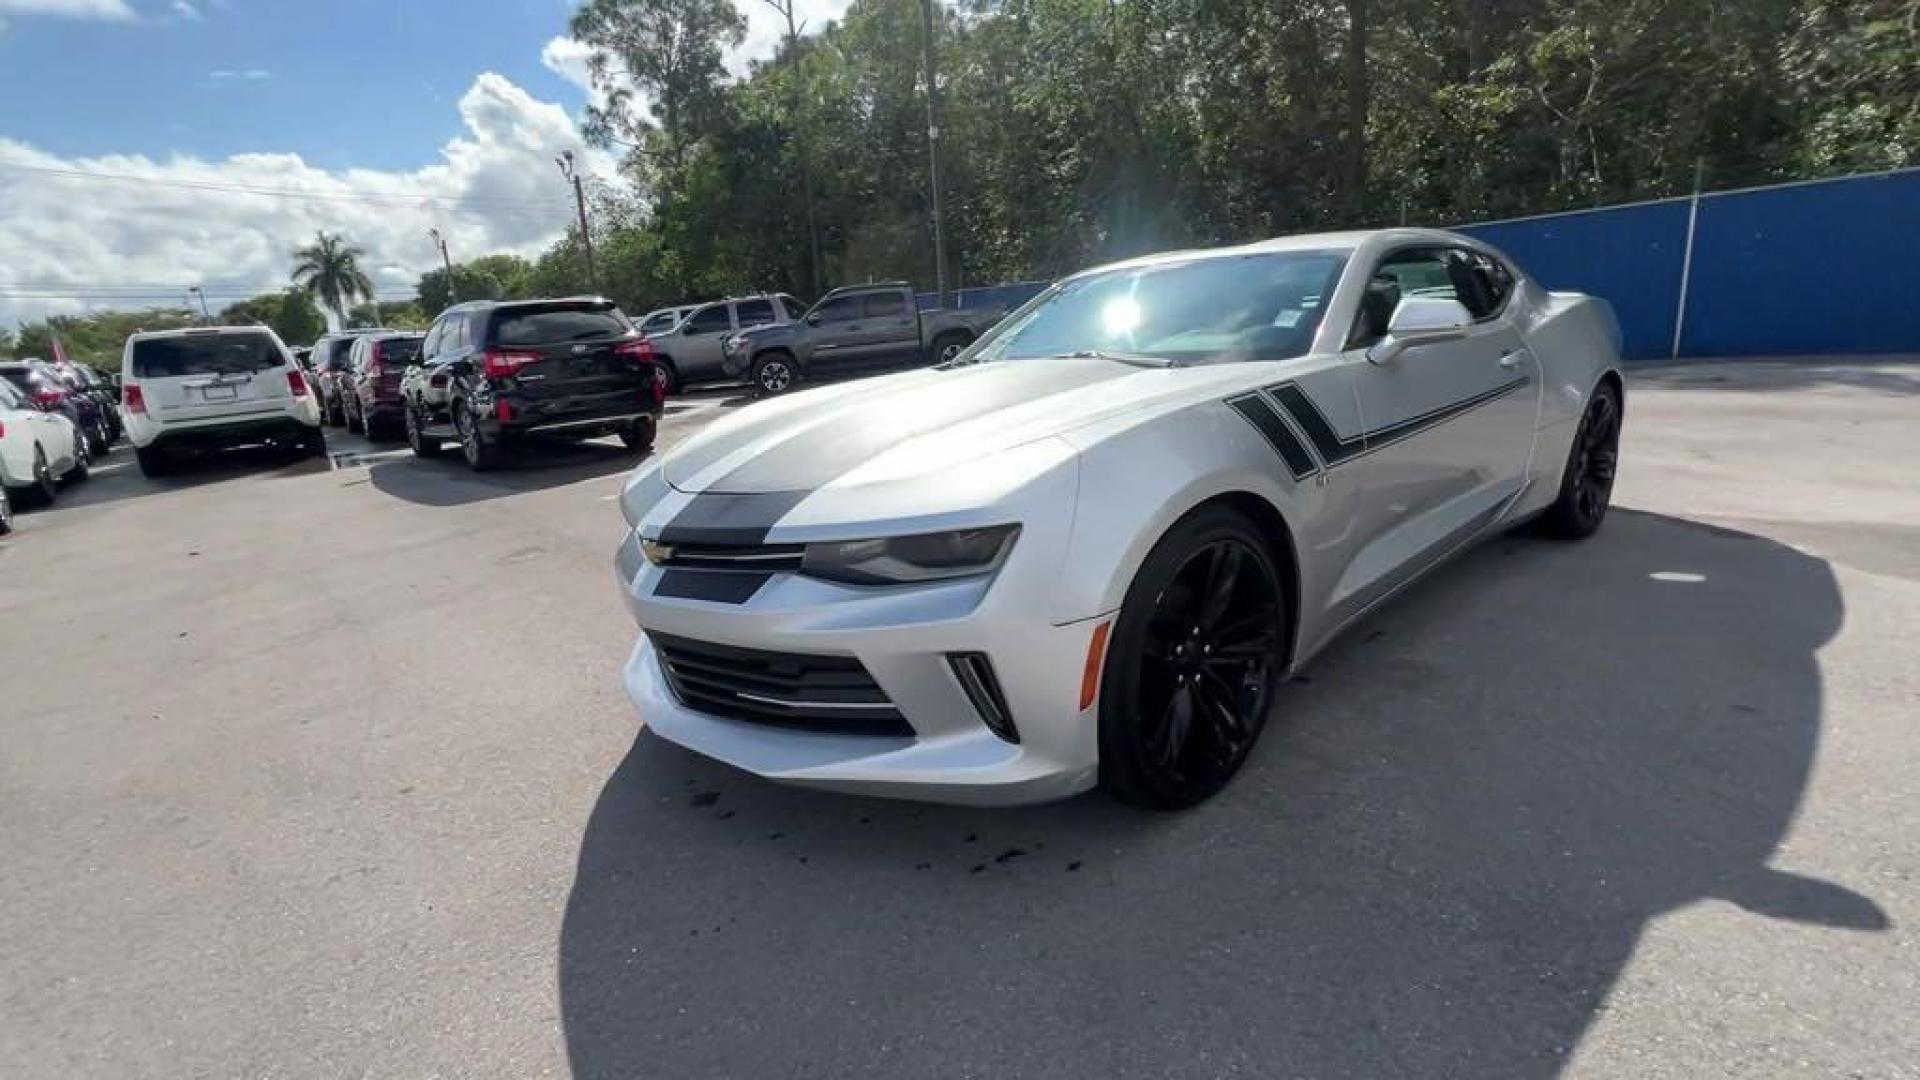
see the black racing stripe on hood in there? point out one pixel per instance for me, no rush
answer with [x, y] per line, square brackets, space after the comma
[730, 519]
[854, 431]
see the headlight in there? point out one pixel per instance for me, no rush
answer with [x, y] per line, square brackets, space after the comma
[900, 560]
[734, 343]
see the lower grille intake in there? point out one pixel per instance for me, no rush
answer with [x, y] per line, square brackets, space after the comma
[794, 690]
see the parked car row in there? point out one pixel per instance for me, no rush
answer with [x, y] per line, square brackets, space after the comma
[42, 445]
[773, 341]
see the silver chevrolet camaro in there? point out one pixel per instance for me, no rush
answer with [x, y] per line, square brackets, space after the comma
[1089, 550]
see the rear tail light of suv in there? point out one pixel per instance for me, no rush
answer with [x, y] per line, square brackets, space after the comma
[505, 365]
[638, 351]
[296, 382]
[132, 397]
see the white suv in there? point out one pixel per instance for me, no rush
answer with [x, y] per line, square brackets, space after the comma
[213, 387]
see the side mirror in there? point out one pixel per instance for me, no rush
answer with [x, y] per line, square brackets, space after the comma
[1421, 320]
[813, 319]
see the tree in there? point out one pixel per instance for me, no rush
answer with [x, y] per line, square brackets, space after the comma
[290, 313]
[668, 50]
[329, 271]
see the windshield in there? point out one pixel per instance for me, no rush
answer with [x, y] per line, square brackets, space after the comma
[1246, 307]
[210, 354]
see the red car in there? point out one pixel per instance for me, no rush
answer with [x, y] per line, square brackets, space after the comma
[371, 382]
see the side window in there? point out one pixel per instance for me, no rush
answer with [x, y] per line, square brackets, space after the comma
[9, 397]
[711, 320]
[453, 339]
[795, 308]
[1416, 272]
[431, 343]
[840, 309]
[753, 312]
[886, 305]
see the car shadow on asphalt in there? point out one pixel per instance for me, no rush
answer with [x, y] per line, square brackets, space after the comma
[1437, 863]
[446, 480]
[117, 475]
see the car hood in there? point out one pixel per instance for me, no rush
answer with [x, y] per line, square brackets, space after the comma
[920, 423]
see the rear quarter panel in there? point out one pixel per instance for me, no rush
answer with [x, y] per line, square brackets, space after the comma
[1576, 340]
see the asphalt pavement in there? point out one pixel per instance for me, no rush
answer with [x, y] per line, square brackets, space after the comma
[324, 769]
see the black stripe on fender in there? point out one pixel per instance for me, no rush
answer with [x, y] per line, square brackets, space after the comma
[1259, 412]
[1335, 450]
[730, 519]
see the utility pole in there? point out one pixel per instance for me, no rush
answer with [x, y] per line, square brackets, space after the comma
[933, 155]
[453, 291]
[205, 315]
[567, 170]
[785, 7]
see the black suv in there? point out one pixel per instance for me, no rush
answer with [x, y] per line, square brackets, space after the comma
[493, 372]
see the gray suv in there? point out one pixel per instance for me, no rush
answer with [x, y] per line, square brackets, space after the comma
[694, 350]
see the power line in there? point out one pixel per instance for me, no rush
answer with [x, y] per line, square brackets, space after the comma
[412, 199]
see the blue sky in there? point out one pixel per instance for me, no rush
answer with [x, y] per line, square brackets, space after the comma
[342, 83]
[149, 146]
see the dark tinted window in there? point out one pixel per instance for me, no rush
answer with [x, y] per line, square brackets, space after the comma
[336, 353]
[793, 306]
[547, 326]
[9, 397]
[886, 305]
[839, 309]
[210, 354]
[711, 320]
[753, 312]
[25, 378]
[1494, 278]
[659, 322]
[399, 351]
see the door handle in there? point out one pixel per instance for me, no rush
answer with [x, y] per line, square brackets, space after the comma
[1510, 359]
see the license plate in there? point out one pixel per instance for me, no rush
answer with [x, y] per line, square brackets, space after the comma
[219, 393]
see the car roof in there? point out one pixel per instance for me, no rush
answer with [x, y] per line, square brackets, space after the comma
[1345, 241]
[495, 305]
[196, 331]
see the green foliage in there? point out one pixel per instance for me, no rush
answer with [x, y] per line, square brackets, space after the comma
[404, 315]
[329, 271]
[490, 277]
[98, 338]
[291, 315]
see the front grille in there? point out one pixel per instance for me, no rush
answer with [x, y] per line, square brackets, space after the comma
[816, 693]
[774, 558]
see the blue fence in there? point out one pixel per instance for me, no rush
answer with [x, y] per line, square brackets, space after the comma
[1005, 297]
[1818, 267]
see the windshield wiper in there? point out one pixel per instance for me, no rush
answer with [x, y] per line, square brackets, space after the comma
[1136, 359]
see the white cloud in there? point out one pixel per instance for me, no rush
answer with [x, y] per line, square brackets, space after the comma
[493, 188]
[185, 10]
[107, 10]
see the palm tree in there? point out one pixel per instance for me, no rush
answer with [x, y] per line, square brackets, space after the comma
[329, 271]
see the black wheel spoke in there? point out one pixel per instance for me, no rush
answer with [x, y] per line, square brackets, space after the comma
[1223, 577]
[1174, 725]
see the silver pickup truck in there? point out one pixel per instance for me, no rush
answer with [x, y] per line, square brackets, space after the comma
[861, 327]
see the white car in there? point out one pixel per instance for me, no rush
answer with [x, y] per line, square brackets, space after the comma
[1090, 548]
[38, 449]
[204, 388]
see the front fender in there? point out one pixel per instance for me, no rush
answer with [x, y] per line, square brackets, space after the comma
[1137, 481]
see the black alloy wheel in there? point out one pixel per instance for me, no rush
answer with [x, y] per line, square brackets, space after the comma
[772, 375]
[1196, 657]
[82, 462]
[481, 454]
[421, 445]
[1587, 487]
[6, 511]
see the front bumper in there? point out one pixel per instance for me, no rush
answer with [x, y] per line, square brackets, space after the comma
[904, 637]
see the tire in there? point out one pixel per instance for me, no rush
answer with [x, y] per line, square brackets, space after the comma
[153, 461]
[1188, 681]
[774, 374]
[672, 383]
[950, 345]
[312, 444]
[423, 445]
[481, 453]
[44, 486]
[82, 462]
[353, 420]
[1586, 482]
[638, 435]
[98, 440]
[6, 511]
